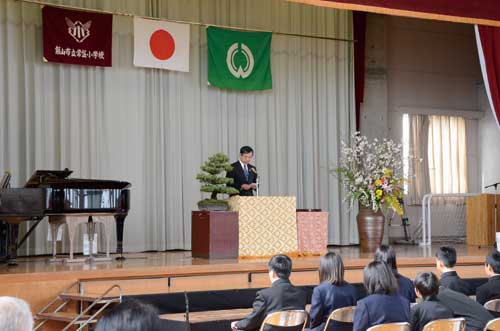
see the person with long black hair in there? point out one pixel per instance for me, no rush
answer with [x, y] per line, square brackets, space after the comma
[383, 304]
[387, 254]
[332, 293]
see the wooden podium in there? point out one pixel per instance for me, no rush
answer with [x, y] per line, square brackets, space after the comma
[267, 225]
[480, 219]
[214, 234]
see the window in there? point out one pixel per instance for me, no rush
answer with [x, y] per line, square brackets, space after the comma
[439, 143]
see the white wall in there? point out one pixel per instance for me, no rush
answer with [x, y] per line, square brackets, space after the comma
[489, 144]
[421, 66]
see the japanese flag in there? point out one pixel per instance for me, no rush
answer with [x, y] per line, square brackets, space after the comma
[160, 44]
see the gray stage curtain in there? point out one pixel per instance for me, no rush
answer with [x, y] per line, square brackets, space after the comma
[155, 127]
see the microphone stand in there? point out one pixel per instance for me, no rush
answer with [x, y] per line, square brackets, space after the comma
[256, 181]
[495, 185]
[186, 300]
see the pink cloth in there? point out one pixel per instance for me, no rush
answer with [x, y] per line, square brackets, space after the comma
[312, 232]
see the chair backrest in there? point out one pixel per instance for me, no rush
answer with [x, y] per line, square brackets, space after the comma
[493, 305]
[449, 324]
[344, 314]
[286, 318]
[493, 325]
[402, 326]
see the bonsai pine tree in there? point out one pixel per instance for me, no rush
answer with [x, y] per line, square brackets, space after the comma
[212, 181]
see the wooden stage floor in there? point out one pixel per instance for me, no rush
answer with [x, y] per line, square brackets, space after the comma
[38, 281]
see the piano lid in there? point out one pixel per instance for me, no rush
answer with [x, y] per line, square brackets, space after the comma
[42, 177]
[58, 179]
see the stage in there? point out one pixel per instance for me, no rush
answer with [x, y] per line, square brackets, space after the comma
[38, 281]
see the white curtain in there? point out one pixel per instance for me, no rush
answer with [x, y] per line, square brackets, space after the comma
[418, 182]
[154, 128]
[447, 154]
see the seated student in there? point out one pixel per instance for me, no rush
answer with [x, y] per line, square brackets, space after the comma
[476, 316]
[430, 309]
[15, 315]
[387, 254]
[383, 304]
[130, 315]
[282, 295]
[490, 290]
[446, 258]
[332, 292]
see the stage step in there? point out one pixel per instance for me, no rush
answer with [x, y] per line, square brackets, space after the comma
[64, 317]
[96, 304]
[88, 297]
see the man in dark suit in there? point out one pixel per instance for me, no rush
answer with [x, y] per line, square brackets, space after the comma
[476, 316]
[282, 295]
[244, 174]
[446, 258]
[490, 290]
[430, 309]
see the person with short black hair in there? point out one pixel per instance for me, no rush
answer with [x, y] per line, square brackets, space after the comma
[490, 290]
[130, 315]
[332, 293]
[430, 309]
[383, 304]
[387, 254]
[244, 174]
[476, 316]
[282, 295]
[446, 258]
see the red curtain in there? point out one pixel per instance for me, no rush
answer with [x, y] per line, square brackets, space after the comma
[359, 23]
[488, 44]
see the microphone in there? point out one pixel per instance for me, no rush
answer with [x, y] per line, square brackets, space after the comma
[253, 170]
[492, 185]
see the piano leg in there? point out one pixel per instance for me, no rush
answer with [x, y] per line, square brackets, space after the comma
[13, 234]
[120, 222]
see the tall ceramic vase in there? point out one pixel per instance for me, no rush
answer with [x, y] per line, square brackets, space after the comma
[370, 228]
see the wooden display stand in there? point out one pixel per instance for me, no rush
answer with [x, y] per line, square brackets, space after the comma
[214, 234]
[481, 219]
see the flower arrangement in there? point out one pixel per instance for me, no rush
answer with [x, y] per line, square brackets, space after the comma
[371, 173]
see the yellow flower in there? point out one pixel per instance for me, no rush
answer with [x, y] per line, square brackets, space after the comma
[378, 193]
[378, 182]
[387, 172]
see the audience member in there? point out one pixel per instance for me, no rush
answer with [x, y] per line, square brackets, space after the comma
[430, 309]
[15, 315]
[383, 304]
[282, 295]
[130, 315]
[387, 254]
[490, 290]
[476, 316]
[332, 293]
[446, 258]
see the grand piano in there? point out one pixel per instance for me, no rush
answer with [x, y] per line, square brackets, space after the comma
[53, 193]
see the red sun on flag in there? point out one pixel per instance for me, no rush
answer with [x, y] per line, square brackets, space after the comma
[162, 44]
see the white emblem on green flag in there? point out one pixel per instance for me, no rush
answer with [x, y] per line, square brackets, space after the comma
[239, 60]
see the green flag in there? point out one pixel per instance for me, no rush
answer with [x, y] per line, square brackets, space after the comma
[239, 60]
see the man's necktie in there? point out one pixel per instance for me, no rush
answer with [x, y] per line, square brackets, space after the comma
[245, 171]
